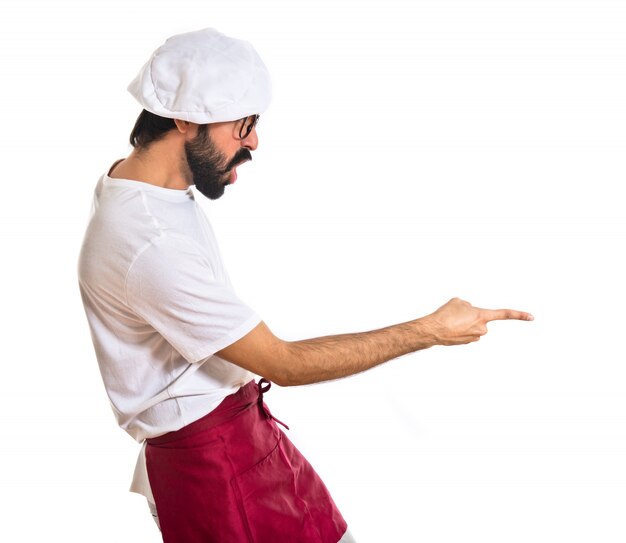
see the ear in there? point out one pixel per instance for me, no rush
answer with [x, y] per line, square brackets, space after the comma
[182, 126]
[187, 129]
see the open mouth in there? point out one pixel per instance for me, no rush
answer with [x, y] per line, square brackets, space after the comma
[233, 174]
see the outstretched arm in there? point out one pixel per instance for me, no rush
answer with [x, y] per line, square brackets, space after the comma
[290, 363]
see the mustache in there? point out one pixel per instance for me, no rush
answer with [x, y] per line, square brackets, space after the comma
[240, 156]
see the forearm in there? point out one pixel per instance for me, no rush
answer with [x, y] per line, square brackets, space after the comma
[331, 357]
[290, 363]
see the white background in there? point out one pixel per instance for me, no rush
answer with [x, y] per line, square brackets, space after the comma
[414, 151]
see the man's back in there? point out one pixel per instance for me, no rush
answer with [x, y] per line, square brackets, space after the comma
[159, 304]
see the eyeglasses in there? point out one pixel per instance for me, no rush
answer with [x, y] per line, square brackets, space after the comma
[247, 124]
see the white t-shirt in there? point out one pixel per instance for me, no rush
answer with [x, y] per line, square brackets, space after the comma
[159, 304]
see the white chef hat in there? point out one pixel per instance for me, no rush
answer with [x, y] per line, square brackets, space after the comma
[203, 77]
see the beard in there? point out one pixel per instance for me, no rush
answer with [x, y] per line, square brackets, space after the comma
[210, 168]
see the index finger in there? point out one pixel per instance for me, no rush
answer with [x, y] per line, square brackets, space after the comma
[505, 314]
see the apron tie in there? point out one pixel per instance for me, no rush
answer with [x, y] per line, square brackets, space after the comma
[264, 386]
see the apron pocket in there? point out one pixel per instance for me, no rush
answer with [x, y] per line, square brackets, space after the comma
[271, 509]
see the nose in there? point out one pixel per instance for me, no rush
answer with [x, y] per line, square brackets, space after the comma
[251, 141]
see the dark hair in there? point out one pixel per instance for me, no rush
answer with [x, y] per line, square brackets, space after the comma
[149, 128]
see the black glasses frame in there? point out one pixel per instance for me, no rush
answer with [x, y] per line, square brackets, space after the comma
[247, 124]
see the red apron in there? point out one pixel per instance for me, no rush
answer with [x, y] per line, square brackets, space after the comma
[234, 477]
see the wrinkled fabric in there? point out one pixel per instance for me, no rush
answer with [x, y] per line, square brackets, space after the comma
[234, 477]
[203, 77]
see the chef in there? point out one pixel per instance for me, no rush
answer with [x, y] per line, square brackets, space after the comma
[178, 351]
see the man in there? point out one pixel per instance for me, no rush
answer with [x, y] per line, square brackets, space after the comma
[178, 350]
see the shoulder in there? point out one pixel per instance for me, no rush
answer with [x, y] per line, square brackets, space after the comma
[170, 256]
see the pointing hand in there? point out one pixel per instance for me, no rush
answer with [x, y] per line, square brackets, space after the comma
[458, 322]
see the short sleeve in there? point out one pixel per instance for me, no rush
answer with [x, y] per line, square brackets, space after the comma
[173, 287]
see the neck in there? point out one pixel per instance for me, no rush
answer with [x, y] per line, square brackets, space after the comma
[159, 165]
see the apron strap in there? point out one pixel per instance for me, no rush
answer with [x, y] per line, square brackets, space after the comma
[264, 386]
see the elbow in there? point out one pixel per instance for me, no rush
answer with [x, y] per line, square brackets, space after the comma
[285, 373]
[282, 381]
[280, 378]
